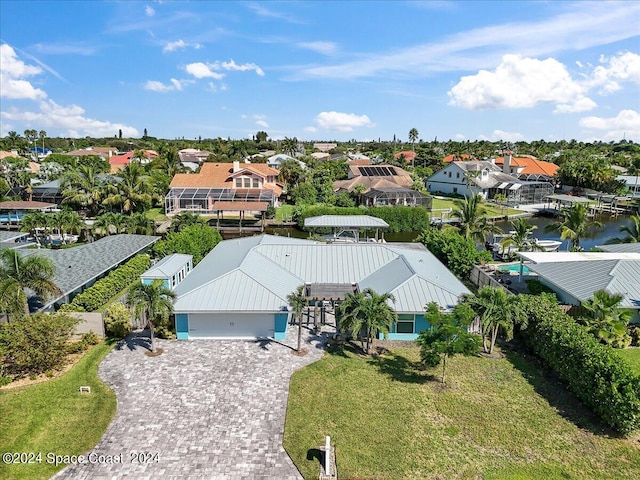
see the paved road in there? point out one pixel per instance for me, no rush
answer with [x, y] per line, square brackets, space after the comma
[209, 409]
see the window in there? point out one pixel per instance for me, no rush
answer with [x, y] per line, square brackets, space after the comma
[455, 189]
[449, 174]
[256, 183]
[405, 324]
[457, 174]
[247, 183]
[238, 183]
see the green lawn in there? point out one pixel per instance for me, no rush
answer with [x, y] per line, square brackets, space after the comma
[496, 419]
[493, 210]
[632, 357]
[284, 213]
[54, 417]
[156, 214]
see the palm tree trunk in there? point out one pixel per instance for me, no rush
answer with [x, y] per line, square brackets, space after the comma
[444, 366]
[300, 333]
[494, 335]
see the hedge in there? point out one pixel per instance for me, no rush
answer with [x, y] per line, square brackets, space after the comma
[104, 289]
[592, 370]
[400, 219]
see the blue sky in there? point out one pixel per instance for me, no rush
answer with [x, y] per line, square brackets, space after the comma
[322, 70]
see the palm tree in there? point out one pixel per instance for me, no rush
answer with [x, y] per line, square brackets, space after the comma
[298, 302]
[82, 187]
[186, 219]
[290, 146]
[368, 311]
[413, 136]
[132, 191]
[606, 320]
[497, 311]
[155, 302]
[632, 230]
[17, 273]
[139, 223]
[520, 237]
[469, 212]
[574, 224]
[42, 135]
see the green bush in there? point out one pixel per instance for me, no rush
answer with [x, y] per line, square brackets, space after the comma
[458, 253]
[196, 240]
[117, 320]
[593, 371]
[400, 219]
[90, 338]
[104, 289]
[537, 288]
[634, 333]
[34, 344]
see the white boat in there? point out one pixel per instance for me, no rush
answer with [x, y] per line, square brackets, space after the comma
[541, 243]
[548, 245]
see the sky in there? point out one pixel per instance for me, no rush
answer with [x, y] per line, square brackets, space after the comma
[331, 70]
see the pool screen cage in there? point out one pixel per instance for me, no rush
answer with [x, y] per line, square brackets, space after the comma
[201, 200]
[524, 192]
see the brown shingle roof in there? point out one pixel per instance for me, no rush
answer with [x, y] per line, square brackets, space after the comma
[19, 205]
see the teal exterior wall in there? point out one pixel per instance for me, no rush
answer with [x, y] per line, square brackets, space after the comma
[419, 324]
[182, 326]
[280, 321]
[149, 281]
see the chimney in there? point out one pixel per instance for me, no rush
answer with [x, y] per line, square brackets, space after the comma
[506, 166]
[236, 166]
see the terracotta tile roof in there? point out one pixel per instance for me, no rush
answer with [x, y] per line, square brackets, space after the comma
[219, 175]
[261, 169]
[19, 205]
[457, 158]
[240, 206]
[408, 155]
[123, 159]
[532, 166]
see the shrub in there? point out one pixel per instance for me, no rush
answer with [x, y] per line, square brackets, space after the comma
[34, 344]
[117, 320]
[592, 371]
[634, 333]
[196, 240]
[90, 338]
[537, 288]
[104, 289]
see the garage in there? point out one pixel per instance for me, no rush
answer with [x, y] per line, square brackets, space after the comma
[230, 325]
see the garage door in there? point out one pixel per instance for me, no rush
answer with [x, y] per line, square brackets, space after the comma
[233, 325]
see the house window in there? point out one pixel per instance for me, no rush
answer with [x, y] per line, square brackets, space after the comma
[405, 324]
[457, 174]
[238, 183]
[247, 183]
[455, 189]
[256, 183]
[449, 174]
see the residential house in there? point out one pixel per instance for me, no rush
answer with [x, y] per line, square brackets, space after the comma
[576, 276]
[324, 147]
[102, 152]
[381, 185]
[193, 155]
[523, 167]
[11, 212]
[171, 270]
[631, 183]
[120, 162]
[321, 156]
[220, 187]
[240, 289]
[408, 155]
[275, 161]
[486, 179]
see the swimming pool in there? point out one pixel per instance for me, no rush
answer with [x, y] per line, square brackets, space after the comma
[515, 267]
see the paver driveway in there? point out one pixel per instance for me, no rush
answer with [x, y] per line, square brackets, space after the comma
[209, 409]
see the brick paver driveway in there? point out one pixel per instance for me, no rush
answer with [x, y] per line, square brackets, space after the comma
[209, 409]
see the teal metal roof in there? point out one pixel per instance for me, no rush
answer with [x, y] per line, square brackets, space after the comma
[257, 274]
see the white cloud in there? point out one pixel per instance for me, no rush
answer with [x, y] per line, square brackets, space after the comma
[179, 45]
[310, 129]
[624, 125]
[521, 83]
[262, 11]
[149, 11]
[232, 65]
[624, 67]
[160, 87]
[460, 136]
[71, 120]
[324, 48]
[201, 70]
[262, 123]
[13, 72]
[342, 122]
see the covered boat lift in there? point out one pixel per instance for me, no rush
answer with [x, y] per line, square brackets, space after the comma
[352, 225]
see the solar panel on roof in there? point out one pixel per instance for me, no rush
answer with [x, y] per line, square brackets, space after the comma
[392, 170]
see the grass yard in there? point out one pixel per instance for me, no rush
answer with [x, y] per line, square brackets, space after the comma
[632, 357]
[156, 214]
[496, 419]
[54, 417]
[284, 213]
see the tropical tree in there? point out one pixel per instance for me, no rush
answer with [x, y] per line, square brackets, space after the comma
[140, 224]
[497, 311]
[289, 146]
[42, 134]
[469, 212]
[606, 320]
[520, 237]
[448, 336]
[367, 311]
[110, 222]
[155, 302]
[632, 230]
[81, 186]
[298, 302]
[413, 137]
[17, 273]
[186, 219]
[132, 191]
[574, 224]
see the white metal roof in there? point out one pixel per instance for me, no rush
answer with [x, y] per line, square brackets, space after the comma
[168, 266]
[361, 221]
[546, 257]
[257, 274]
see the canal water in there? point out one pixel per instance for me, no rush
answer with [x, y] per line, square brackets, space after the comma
[610, 229]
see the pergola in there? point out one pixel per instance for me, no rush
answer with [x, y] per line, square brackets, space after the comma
[349, 223]
[320, 294]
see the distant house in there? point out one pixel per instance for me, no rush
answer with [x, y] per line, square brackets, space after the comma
[50, 192]
[193, 155]
[119, 162]
[11, 212]
[408, 155]
[275, 161]
[220, 187]
[102, 152]
[172, 270]
[631, 183]
[324, 147]
[381, 185]
[576, 276]
[321, 156]
[523, 167]
[486, 179]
